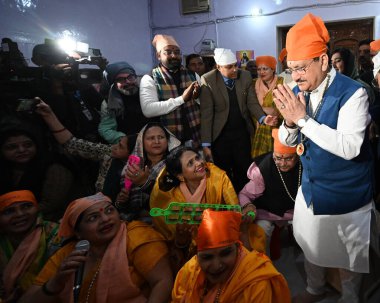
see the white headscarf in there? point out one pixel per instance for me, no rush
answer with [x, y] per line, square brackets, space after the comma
[224, 56]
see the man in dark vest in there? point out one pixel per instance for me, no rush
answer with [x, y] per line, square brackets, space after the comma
[274, 179]
[326, 117]
[228, 101]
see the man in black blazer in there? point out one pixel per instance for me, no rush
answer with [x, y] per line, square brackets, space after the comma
[228, 101]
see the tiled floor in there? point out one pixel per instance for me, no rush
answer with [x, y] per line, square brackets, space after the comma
[291, 266]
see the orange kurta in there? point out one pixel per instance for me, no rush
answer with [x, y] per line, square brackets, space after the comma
[219, 190]
[255, 280]
[145, 248]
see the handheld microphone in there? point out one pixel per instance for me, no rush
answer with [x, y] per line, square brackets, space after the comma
[81, 245]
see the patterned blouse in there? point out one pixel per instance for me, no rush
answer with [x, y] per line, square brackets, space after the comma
[92, 151]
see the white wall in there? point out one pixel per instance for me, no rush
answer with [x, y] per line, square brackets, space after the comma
[120, 28]
[258, 33]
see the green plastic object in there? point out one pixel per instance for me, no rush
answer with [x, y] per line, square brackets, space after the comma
[191, 213]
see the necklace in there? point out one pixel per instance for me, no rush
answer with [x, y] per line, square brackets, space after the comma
[299, 180]
[300, 146]
[205, 290]
[93, 282]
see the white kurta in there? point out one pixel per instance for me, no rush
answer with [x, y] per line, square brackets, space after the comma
[340, 241]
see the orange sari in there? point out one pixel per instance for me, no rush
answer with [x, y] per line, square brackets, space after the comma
[254, 280]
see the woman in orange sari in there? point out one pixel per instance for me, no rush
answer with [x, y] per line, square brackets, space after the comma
[224, 271]
[262, 141]
[188, 178]
[125, 262]
[26, 242]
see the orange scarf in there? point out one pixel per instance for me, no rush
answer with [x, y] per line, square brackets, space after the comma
[198, 194]
[21, 260]
[261, 89]
[114, 267]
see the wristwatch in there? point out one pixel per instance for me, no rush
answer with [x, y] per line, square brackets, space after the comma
[301, 122]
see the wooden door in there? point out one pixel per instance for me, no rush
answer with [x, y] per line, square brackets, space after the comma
[342, 34]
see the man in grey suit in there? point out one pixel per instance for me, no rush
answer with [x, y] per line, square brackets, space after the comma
[228, 101]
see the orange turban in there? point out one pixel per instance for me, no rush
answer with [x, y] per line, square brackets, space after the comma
[278, 147]
[282, 55]
[218, 229]
[74, 210]
[160, 41]
[266, 60]
[307, 39]
[375, 45]
[15, 197]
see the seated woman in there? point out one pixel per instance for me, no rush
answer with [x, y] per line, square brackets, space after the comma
[125, 262]
[262, 140]
[153, 143]
[26, 242]
[188, 178]
[224, 271]
[111, 158]
[27, 165]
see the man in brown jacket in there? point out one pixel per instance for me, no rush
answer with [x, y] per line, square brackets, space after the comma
[228, 101]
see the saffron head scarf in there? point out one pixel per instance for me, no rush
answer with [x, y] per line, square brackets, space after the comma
[266, 60]
[15, 197]
[73, 211]
[282, 55]
[218, 229]
[278, 147]
[307, 39]
[160, 41]
[375, 45]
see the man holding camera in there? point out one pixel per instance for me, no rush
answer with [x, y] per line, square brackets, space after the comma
[76, 104]
[170, 92]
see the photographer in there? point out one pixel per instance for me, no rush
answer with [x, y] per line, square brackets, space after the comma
[76, 104]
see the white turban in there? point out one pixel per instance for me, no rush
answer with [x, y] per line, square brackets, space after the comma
[224, 56]
[376, 64]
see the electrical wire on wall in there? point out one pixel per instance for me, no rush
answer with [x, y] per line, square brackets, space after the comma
[239, 17]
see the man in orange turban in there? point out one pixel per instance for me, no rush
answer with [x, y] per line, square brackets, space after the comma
[171, 92]
[274, 180]
[326, 117]
[224, 271]
[282, 57]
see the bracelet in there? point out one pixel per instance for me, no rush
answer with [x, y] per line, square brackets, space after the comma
[291, 127]
[48, 292]
[248, 204]
[58, 130]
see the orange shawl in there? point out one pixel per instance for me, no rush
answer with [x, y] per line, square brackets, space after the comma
[114, 267]
[255, 280]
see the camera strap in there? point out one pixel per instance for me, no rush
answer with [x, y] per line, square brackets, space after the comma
[83, 106]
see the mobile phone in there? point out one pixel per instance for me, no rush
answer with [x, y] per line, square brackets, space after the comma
[132, 159]
[26, 105]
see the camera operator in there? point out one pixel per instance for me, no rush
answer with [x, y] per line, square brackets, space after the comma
[77, 104]
[121, 111]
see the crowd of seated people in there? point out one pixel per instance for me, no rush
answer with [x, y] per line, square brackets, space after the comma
[65, 163]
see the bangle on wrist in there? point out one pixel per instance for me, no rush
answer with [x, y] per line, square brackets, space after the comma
[58, 130]
[48, 292]
[245, 206]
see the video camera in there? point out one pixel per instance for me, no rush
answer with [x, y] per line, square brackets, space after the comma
[55, 52]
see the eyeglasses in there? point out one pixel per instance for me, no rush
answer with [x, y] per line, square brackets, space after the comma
[300, 70]
[288, 159]
[130, 78]
[172, 52]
